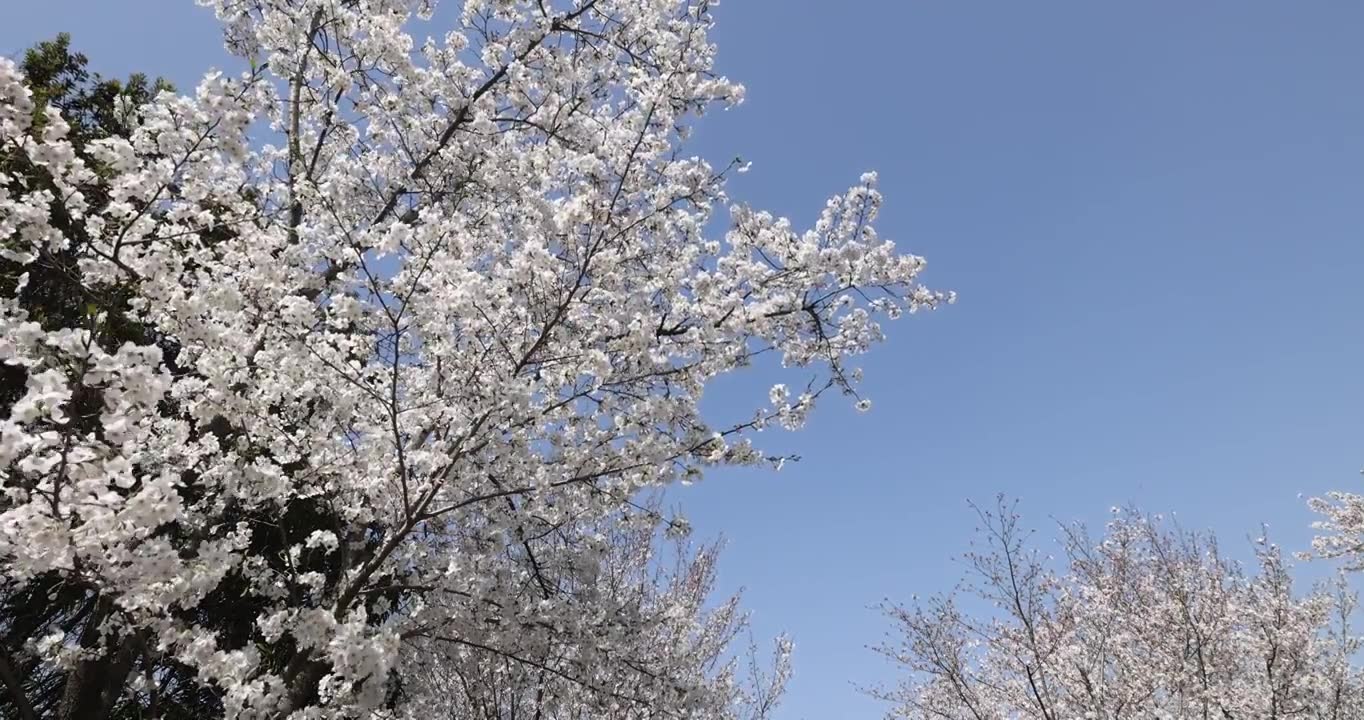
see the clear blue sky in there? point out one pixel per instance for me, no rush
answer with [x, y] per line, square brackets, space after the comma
[1154, 216]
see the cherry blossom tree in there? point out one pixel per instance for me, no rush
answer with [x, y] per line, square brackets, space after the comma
[1148, 622]
[384, 340]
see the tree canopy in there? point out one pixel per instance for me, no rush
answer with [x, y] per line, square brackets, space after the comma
[366, 362]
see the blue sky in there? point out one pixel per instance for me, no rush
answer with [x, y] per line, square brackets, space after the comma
[1152, 215]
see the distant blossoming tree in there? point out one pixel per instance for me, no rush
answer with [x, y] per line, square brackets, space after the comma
[659, 607]
[1147, 622]
[377, 346]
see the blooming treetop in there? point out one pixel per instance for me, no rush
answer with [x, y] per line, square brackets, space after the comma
[461, 302]
[1144, 623]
